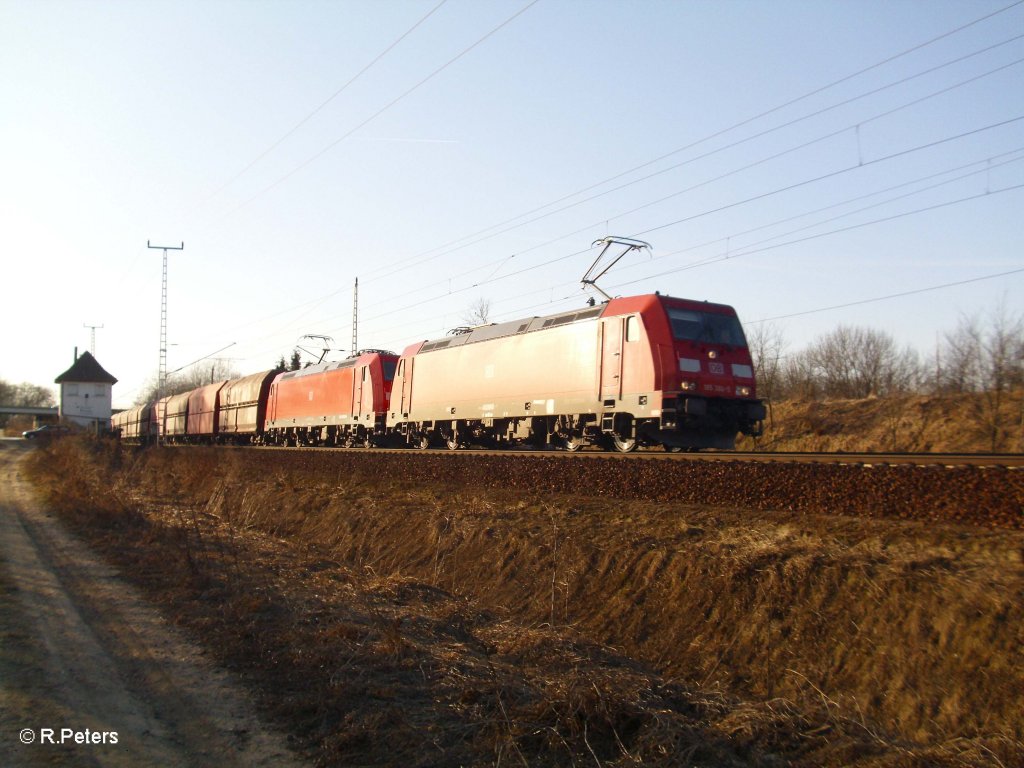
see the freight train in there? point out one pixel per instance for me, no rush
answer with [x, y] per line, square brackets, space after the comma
[636, 371]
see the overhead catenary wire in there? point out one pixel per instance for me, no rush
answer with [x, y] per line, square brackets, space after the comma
[804, 145]
[680, 269]
[850, 228]
[986, 163]
[749, 121]
[832, 174]
[320, 153]
[888, 297]
[291, 131]
[392, 310]
[821, 222]
[853, 167]
[700, 214]
[989, 164]
[507, 258]
[861, 163]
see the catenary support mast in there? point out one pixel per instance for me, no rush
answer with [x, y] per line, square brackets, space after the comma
[355, 319]
[161, 376]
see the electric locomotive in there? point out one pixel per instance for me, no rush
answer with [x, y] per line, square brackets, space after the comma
[641, 370]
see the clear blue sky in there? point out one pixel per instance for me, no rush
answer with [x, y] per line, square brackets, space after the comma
[434, 174]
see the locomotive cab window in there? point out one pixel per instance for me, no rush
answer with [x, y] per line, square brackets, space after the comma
[686, 325]
[632, 328]
[389, 369]
[708, 327]
[723, 329]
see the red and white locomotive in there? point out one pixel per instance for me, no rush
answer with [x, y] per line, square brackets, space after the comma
[643, 370]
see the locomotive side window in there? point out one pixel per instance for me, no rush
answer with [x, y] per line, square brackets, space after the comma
[389, 369]
[632, 328]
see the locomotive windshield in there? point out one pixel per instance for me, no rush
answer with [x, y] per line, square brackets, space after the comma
[389, 369]
[708, 327]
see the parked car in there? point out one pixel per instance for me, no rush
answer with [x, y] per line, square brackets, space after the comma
[46, 432]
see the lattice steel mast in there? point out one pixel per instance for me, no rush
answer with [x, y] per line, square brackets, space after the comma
[92, 337]
[161, 376]
[355, 319]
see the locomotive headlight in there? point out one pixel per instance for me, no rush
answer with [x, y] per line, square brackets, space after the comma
[743, 391]
[712, 354]
[688, 386]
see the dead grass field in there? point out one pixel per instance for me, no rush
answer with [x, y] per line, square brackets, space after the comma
[390, 623]
[955, 423]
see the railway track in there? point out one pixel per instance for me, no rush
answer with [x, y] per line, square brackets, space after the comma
[1004, 460]
[985, 490]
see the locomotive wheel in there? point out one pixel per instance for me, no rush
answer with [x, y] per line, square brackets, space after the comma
[572, 443]
[623, 445]
[422, 442]
[452, 442]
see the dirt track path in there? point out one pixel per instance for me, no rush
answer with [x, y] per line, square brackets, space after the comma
[81, 650]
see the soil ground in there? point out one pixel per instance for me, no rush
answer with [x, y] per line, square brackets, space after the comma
[81, 650]
[382, 620]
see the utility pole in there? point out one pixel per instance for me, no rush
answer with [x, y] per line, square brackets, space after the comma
[92, 337]
[161, 377]
[355, 319]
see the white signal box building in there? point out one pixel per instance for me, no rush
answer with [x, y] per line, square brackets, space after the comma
[85, 393]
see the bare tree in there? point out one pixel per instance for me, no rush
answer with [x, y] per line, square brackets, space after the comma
[853, 362]
[767, 348]
[960, 358]
[478, 313]
[797, 379]
[198, 375]
[24, 395]
[988, 361]
[34, 396]
[7, 391]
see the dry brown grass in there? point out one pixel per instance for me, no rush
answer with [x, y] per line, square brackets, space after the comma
[910, 423]
[394, 624]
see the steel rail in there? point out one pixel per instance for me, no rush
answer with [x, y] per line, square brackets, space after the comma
[862, 459]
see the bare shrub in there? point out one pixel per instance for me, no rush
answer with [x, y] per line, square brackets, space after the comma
[988, 360]
[82, 490]
[195, 376]
[767, 348]
[853, 362]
